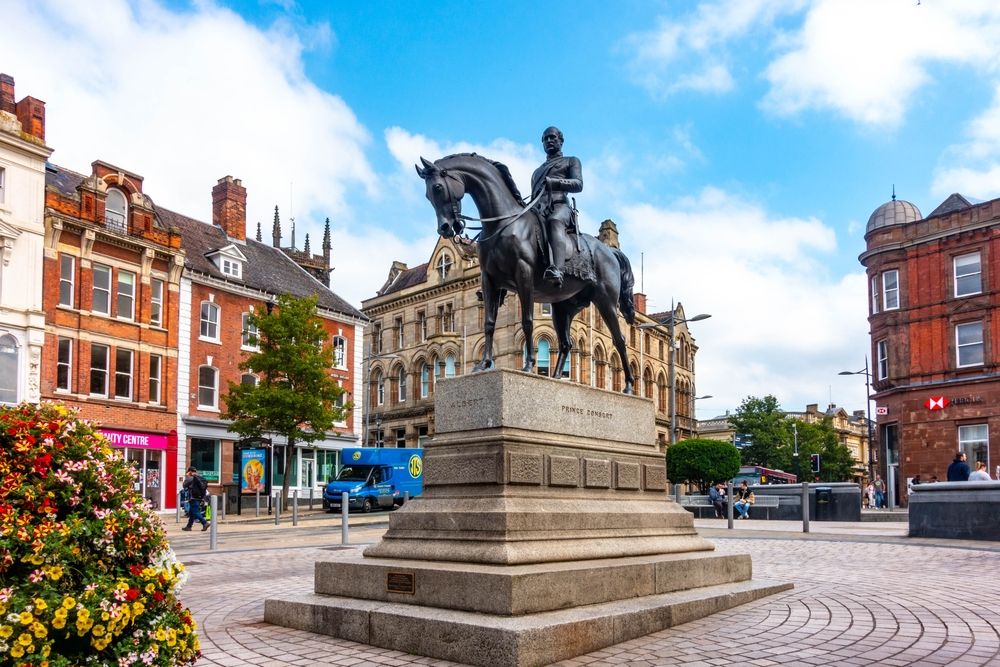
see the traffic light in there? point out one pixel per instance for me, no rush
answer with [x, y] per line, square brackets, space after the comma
[814, 458]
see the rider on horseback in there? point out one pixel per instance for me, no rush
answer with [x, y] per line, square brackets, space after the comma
[558, 176]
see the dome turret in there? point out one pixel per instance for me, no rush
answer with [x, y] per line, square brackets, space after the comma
[893, 212]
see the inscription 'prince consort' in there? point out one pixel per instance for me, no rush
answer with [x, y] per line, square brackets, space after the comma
[587, 412]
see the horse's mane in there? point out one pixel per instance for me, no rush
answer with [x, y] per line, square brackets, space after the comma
[504, 173]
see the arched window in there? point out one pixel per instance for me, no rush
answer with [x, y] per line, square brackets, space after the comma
[339, 352]
[425, 380]
[249, 379]
[444, 265]
[542, 360]
[661, 393]
[401, 388]
[617, 374]
[379, 388]
[449, 366]
[600, 365]
[116, 211]
[647, 383]
[8, 369]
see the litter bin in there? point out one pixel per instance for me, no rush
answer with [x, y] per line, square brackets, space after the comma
[232, 496]
[824, 503]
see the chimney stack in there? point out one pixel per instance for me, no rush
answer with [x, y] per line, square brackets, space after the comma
[7, 93]
[639, 301]
[29, 111]
[229, 207]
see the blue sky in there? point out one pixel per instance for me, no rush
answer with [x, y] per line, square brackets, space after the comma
[740, 145]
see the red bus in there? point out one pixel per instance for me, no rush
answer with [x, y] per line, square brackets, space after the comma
[762, 475]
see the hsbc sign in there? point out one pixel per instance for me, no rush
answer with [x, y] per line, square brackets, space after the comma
[936, 403]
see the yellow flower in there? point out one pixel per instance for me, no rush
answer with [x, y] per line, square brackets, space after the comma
[6, 631]
[26, 617]
[24, 639]
[59, 622]
[84, 613]
[150, 588]
[98, 631]
[105, 616]
[39, 630]
[40, 604]
[160, 635]
[138, 607]
[16, 651]
[69, 602]
[45, 652]
[61, 612]
[55, 572]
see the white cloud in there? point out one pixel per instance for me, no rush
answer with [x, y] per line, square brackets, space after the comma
[973, 166]
[781, 323]
[184, 98]
[866, 59]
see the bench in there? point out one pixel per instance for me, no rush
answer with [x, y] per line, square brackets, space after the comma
[702, 508]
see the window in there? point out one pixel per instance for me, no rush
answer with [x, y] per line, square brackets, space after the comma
[542, 361]
[67, 274]
[101, 302]
[99, 370]
[126, 295]
[156, 302]
[874, 295]
[974, 440]
[444, 266]
[422, 326]
[123, 374]
[377, 337]
[882, 348]
[600, 380]
[205, 456]
[116, 211]
[401, 386]
[231, 267]
[379, 389]
[422, 437]
[209, 321]
[890, 290]
[446, 318]
[8, 369]
[401, 437]
[208, 385]
[3, 184]
[968, 275]
[400, 334]
[547, 309]
[155, 370]
[250, 340]
[249, 379]
[449, 366]
[64, 365]
[425, 380]
[969, 344]
[339, 352]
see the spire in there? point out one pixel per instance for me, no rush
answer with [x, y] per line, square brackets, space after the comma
[326, 244]
[306, 248]
[276, 230]
[893, 192]
[293, 232]
[258, 231]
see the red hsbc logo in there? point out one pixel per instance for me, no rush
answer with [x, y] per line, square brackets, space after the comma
[936, 403]
[881, 410]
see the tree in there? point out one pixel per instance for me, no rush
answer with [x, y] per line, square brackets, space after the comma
[702, 461]
[295, 397]
[764, 421]
[814, 438]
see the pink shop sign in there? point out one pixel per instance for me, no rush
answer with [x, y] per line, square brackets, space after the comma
[136, 440]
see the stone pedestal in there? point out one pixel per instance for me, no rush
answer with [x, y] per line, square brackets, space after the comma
[544, 531]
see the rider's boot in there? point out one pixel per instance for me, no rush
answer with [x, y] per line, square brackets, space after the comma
[552, 273]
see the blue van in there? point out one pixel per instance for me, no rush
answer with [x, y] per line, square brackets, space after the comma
[376, 477]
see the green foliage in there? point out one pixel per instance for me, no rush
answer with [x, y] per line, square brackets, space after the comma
[702, 461]
[296, 396]
[764, 421]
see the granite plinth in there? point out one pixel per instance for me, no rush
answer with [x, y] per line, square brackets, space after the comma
[544, 531]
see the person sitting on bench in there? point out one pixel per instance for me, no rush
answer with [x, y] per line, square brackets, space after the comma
[717, 494]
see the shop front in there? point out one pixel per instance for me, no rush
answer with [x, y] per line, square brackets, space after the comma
[154, 456]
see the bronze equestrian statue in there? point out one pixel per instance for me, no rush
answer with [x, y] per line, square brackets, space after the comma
[550, 184]
[513, 245]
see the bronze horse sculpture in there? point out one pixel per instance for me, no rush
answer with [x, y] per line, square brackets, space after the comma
[512, 257]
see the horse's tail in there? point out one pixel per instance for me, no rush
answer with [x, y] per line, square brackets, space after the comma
[625, 303]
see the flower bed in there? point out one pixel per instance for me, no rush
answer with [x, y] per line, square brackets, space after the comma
[86, 574]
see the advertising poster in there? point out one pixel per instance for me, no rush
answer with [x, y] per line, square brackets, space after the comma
[252, 470]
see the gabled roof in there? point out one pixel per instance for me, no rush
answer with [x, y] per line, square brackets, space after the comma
[954, 202]
[231, 250]
[405, 279]
[267, 268]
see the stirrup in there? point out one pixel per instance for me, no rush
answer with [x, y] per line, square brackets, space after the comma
[553, 274]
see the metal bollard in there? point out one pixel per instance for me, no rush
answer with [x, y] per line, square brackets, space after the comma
[258, 502]
[180, 496]
[805, 507]
[406, 497]
[311, 490]
[277, 508]
[729, 503]
[222, 507]
[343, 518]
[295, 507]
[213, 534]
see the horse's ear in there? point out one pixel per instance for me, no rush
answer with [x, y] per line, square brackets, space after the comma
[420, 172]
[427, 164]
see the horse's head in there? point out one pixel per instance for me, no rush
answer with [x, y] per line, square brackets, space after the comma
[444, 192]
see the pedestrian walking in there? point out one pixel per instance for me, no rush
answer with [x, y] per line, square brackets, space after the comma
[980, 474]
[196, 485]
[958, 471]
[879, 492]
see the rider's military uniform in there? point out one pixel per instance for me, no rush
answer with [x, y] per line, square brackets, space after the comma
[557, 177]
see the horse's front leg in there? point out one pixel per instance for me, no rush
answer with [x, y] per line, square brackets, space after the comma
[562, 317]
[524, 293]
[491, 305]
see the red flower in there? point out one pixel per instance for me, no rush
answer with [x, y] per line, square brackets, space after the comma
[132, 594]
[136, 570]
[158, 596]
[41, 463]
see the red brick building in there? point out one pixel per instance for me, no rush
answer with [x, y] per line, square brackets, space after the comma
[934, 288]
[111, 279]
[226, 277]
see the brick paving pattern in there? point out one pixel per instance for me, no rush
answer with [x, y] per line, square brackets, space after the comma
[872, 602]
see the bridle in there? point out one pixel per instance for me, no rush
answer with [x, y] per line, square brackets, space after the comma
[458, 216]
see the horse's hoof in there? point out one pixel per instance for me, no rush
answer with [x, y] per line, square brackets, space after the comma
[482, 366]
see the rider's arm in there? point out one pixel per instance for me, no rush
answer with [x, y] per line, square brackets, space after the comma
[573, 181]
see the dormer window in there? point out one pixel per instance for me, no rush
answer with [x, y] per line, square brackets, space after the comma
[116, 211]
[444, 266]
[231, 268]
[229, 260]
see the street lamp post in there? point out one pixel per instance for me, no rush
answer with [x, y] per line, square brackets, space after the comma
[868, 418]
[671, 322]
[694, 415]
